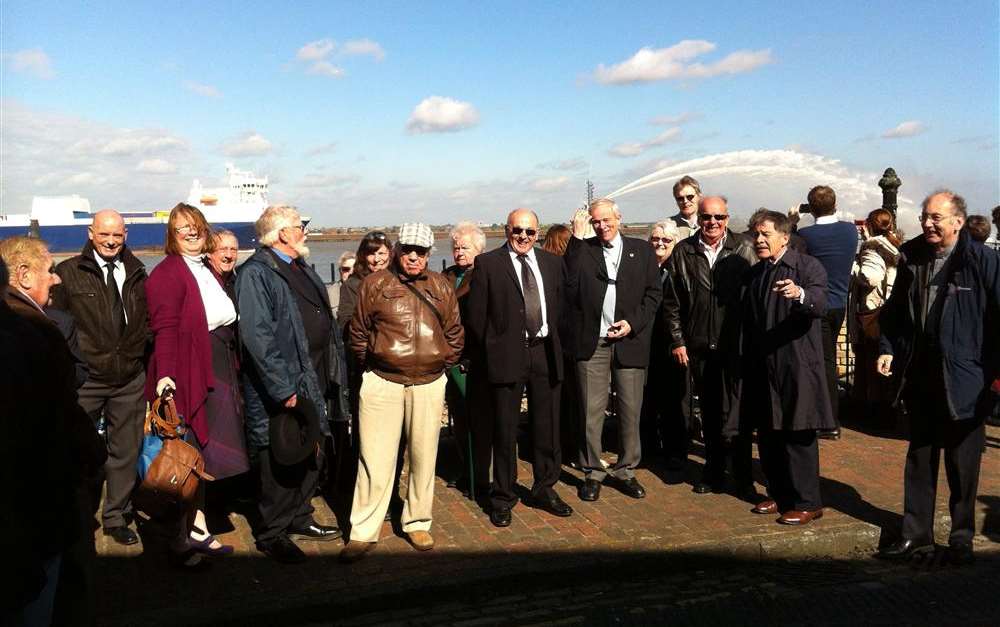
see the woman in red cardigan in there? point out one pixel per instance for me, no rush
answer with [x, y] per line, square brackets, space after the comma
[194, 353]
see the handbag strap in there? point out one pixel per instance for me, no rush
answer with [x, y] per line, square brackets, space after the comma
[164, 419]
[424, 299]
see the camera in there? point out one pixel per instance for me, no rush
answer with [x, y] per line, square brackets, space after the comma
[805, 208]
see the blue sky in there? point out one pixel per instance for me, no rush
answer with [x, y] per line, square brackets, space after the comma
[126, 103]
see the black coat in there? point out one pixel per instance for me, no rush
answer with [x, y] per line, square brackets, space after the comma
[969, 332]
[703, 310]
[496, 319]
[783, 372]
[638, 296]
[84, 295]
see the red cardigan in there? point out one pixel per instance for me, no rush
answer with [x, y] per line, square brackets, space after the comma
[182, 348]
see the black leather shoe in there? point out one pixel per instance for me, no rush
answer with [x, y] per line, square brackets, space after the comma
[705, 487]
[500, 516]
[122, 535]
[631, 487]
[828, 434]
[960, 554]
[904, 550]
[590, 490]
[553, 505]
[282, 550]
[316, 532]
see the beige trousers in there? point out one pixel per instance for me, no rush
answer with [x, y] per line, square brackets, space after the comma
[387, 409]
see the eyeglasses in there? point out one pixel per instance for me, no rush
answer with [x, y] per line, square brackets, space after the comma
[187, 229]
[516, 230]
[719, 217]
[688, 198]
[935, 218]
[407, 249]
[300, 227]
[661, 240]
[346, 268]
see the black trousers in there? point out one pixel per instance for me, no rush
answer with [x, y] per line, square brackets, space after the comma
[543, 399]
[790, 460]
[285, 495]
[664, 427]
[830, 324]
[707, 373]
[932, 431]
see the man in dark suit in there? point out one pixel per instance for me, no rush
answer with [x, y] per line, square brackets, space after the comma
[613, 292]
[514, 306]
[784, 390]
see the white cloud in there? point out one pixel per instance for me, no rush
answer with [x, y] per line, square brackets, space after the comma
[325, 68]
[438, 114]
[315, 50]
[576, 163]
[156, 166]
[364, 47]
[324, 149]
[208, 91]
[129, 142]
[658, 64]
[553, 184]
[31, 61]
[675, 120]
[249, 144]
[905, 129]
[631, 149]
[318, 179]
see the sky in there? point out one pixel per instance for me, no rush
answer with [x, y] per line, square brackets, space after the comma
[377, 113]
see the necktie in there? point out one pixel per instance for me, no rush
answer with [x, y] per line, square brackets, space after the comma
[532, 301]
[117, 306]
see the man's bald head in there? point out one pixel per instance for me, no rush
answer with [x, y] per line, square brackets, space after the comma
[520, 213]
[107, 232]
[522, 230]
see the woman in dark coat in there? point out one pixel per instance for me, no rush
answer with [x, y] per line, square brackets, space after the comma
[194, 354]
[374, 253]
[467, 242]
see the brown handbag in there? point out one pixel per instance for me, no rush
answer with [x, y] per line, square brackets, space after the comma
[173, 477]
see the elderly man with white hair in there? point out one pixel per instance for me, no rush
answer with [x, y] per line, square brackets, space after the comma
[295, 365]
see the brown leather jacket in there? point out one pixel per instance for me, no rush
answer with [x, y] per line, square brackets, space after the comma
[395, 334]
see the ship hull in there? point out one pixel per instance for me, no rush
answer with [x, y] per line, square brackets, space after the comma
[66, 238]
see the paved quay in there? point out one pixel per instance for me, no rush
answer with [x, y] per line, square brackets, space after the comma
[616, 561]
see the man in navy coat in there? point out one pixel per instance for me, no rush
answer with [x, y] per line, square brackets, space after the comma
[941, 327]
[513, 313]
[785, 396]
[613, 292]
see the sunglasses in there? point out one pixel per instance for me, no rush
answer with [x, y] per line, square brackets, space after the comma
[516, 230]
[406, 249]
[375, 235]
[719, 217]
[346, 268]
[661, 240]
[688, 198]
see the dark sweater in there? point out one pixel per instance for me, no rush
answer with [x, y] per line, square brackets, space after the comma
[835, 246]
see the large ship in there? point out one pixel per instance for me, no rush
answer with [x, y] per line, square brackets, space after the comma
[62, 221]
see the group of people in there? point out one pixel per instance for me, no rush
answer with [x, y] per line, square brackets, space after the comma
[694, 323]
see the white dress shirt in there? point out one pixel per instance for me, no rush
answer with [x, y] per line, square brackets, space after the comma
[119, 270]
[612, 259]
[219, 309]
[533, 264]
[711, 252]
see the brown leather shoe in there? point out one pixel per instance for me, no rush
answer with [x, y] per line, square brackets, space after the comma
[766, 507]
[795, 517]
[355, 550]
[421, 540]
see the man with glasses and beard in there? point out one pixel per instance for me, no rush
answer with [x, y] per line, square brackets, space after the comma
[941, 328]
[295, 364]
[687, 195]
[702, 319]
[405, 333]
[613, 292]
[514, 308]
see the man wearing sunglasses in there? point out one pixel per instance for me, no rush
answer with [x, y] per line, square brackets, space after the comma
[514, 306]
[702, 319]
[613, 291]
[687, 195]
[405, 333]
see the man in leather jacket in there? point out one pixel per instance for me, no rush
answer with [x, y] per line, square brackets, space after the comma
[701, 309]
[405, 333]
[113, 331]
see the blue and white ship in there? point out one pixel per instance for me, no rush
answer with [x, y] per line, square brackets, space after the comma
[62, 221]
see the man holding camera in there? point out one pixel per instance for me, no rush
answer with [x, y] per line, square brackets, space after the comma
[834, 244]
